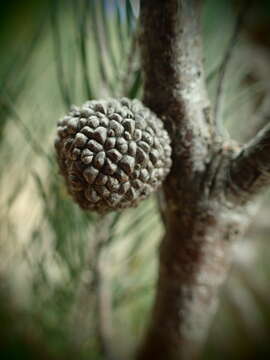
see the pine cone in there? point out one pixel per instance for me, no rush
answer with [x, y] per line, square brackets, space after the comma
[112, 153]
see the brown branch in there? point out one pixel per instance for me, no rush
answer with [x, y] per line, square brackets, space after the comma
[84, 303]
[201, 226]
[174, 85]
[249, 171]
[193, 256]
[104, 311]
[94, 295]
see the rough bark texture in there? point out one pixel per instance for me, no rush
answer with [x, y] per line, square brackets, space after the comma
[250, 170]
[201, 216]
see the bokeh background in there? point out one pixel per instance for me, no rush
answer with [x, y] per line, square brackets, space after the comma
[75, 284]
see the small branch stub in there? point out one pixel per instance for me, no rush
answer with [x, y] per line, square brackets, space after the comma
[112, 153]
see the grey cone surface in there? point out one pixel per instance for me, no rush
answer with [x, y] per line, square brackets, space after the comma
[112, 153]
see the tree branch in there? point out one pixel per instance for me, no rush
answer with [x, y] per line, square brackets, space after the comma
[249, 171]
[194, 257]
[174, 86]
[201, 226]
[102, 286]
[94, 295]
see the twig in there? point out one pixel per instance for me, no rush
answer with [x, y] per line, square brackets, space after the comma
[104, 327]
[223, 68]
[249, 172]
[94, 294]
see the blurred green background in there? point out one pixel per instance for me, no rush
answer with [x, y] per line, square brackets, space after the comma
[75, 284]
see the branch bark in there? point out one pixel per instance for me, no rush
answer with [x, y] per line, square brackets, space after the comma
[174, 80]
[201, 223]
[249, 172]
